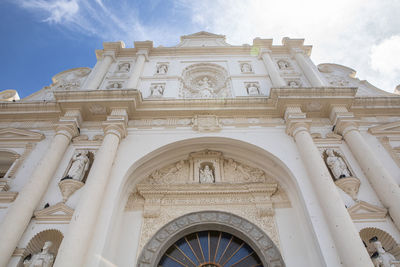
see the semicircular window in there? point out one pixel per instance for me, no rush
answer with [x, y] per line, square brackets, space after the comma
[210, 249]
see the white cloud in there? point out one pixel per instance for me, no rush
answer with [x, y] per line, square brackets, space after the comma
[354, 33]
[58, 11]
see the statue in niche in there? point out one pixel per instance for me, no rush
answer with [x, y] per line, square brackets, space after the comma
[157, 90]
[381, 258]
[283, 64]
[162, 69]
[293, 84]
[41, 259]
[79, 166]
[337, 165]
[206, 175]
[205, 88]
[124, 67]
[253, 89]
[246, 67]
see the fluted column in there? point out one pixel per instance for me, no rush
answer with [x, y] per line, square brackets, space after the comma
[141, 57]
[347, 240]
[310, 71]
[99, 71]
[20, 213]
[75, 244]
[382, 182]
[273, 73]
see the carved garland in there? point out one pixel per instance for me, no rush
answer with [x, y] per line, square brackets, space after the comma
[209, 220]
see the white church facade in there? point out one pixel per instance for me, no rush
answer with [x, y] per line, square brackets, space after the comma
[201, 154]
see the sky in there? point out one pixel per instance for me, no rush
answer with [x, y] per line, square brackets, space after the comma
[41, 38]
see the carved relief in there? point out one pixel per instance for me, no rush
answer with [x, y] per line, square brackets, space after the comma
[202, 181]
[245, 67]
[294, 83]
[205, 81]
[206, 123]
[97, 109]
[157, 89]
[114, 85]
[283, 64]
[70, 79]
[124, 67]
[174, 173]
[161, 68]
[264, 237]
[252, 88]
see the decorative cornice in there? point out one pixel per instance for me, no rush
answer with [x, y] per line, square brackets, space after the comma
[59, 212]
[8, 197]
[364, 211]
[18, 135]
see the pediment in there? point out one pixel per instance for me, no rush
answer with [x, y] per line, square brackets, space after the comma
[203, 34]
[386, 129]
[58, 212]
[12, 134]
[201, 39]
[364, 211]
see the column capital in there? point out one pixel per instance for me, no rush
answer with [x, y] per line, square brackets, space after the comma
[263, 51]
[296, 120]
[339, 111]
[144, 52]
[116, 123]
[345, 125]
[109, 53]
[68, 124]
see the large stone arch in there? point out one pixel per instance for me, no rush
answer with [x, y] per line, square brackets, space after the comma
[210, 220]
[121, 187]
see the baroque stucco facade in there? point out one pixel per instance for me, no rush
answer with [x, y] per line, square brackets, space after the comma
[116, 163]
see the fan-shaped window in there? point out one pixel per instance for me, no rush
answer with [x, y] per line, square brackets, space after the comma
[210, 249]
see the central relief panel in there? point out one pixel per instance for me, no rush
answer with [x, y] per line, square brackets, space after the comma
[205, 80]
[206, 180]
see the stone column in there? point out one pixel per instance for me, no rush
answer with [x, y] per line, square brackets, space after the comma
[20, 213]
[347, 240]
[310, 71]
[382, 182]
[141, 57]
[75, 244]
[99, 71]
[273, 73]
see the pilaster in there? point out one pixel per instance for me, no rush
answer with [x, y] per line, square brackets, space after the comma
[343, 231]
[20, 213]
[265, 55]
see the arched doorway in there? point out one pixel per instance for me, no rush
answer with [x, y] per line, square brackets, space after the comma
[255, 244]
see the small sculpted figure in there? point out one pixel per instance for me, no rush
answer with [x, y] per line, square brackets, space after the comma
[124, 67]
[205, 88]
[252, 89]
[293, 84]
[162, 69]
[157, 90]
[283, 65]
[246, 67]
[41, 259]
[381, 258]
[337, 165]
[206, 175]
[79, 166]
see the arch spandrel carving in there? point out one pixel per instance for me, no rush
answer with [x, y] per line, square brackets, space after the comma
[260, 242]
[174, 190]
